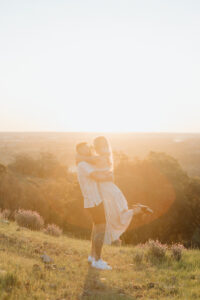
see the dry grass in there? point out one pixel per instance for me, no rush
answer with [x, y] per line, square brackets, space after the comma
[23, 275]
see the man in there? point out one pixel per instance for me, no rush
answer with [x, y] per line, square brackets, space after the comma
[88, 180]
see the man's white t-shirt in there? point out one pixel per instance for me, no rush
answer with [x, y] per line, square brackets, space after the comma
[89, 187]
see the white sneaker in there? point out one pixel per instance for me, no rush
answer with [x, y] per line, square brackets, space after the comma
[103, 261]
[90, 259]
[99, 264]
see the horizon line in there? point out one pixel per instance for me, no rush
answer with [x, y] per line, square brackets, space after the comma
[107, 132]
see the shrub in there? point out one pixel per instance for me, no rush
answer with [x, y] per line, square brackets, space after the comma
[45, 165]
[2, 169]
[53, 229]
[156, 249]
[177, 250]
[30, 219]
[5, 214]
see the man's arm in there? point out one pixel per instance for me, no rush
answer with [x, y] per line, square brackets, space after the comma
[101, 176]
[92, 159]
[87, 170]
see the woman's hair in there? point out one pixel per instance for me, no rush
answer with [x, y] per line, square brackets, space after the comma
[102, 143]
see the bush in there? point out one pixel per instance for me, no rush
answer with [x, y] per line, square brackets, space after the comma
[29, 219]
[177, 250]
[5, 213]
[2, 169]
[53, 229]
[156, 249]
[45, 165]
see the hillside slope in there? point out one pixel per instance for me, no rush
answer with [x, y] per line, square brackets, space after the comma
[23, 275]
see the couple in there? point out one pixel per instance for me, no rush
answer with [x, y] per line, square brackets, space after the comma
[103, 200]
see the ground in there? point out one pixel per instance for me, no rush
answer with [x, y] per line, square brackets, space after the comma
[23, 274]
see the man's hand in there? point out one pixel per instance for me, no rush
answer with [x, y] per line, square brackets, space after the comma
[79, 158]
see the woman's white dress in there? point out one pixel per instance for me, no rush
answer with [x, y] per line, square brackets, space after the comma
[118, 216]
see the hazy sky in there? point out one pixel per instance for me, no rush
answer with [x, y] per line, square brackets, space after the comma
[128, 65]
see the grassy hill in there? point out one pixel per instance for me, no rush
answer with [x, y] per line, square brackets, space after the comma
[23, 274]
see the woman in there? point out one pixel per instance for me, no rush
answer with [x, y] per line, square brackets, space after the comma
[118, 215]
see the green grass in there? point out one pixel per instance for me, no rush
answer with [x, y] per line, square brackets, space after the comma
[23, 275]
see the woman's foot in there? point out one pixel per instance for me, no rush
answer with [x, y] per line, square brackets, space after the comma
[140, 208]
[137, 210]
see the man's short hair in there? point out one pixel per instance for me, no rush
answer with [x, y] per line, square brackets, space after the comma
[79, 145]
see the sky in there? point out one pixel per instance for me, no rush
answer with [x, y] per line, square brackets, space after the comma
[128, 65]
